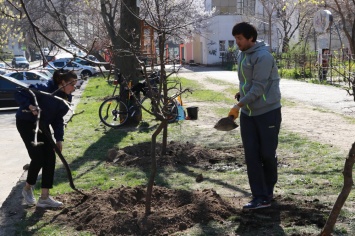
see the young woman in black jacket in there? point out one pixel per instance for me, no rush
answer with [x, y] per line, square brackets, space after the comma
[52, 112]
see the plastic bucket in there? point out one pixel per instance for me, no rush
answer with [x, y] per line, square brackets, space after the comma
[192, 112]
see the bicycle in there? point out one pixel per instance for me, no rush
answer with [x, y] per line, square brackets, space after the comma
[113, 112]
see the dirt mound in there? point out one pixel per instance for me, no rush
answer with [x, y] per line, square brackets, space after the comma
[177, 154]
[121, 211]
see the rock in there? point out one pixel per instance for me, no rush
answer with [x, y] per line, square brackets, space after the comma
[199, 178]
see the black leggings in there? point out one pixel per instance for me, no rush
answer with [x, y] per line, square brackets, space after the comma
[42, 156]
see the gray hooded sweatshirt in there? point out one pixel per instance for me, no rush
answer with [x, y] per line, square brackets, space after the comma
[258, 80]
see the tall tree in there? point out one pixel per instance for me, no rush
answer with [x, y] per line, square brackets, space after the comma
[294, 17]
[10, 27]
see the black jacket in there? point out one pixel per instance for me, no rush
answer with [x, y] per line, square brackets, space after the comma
[52, 109]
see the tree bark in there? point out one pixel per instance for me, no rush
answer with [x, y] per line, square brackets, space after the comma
[348, 183]
[148, 196]
[126, 61]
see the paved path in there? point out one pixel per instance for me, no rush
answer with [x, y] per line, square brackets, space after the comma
[322, 96]
[13, 154]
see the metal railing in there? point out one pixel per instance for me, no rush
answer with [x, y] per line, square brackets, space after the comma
[337, 68]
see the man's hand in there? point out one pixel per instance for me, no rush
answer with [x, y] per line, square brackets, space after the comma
[237, 96]
[234, 112]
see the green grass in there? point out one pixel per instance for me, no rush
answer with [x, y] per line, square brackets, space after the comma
[307, 168]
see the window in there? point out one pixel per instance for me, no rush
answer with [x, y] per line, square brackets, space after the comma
[17, 75]
[249, 7]
[240, 7]
[31, 76]
[222, 47]
[245, 7]
[224, 7]
[58, 64]
[230, 44]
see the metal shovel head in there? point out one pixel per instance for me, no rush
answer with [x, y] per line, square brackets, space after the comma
[225, 124]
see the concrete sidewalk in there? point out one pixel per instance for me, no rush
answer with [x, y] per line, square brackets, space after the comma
[13, 154]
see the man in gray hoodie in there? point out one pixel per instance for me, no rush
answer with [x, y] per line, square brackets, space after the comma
[260, 107]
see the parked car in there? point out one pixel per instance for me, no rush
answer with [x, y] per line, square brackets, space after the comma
[48, 58]
[45, 51]
[7, 91]
[2, 68]
[38, 56]
[84, 62]
[79, 69]
[29, 77]
[45, 72]
[20, 62]
[92, 58]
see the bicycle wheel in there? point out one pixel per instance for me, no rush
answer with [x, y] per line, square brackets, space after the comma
[113, 112]
[169, 110]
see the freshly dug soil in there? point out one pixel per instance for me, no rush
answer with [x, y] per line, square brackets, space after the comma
[122, 211]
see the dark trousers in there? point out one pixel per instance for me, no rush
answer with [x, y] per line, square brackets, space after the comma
[42, 156]
[260, 140]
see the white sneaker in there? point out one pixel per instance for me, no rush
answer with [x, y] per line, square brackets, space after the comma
[28, 196]
[49, 202]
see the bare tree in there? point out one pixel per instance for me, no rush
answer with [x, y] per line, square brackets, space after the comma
[172, 21]
[294, 18]
[270, 8]
[348, 184]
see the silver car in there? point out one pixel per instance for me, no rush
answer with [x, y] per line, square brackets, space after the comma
[29, 77]
[20, 62]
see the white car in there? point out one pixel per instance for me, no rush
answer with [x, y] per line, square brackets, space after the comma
[29, 77]
[45, 51]
[2, 68]
[79, 69]
[45, 72]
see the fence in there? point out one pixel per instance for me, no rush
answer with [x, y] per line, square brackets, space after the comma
[335, 68]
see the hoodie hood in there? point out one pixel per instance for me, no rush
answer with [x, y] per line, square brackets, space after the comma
[258, 46]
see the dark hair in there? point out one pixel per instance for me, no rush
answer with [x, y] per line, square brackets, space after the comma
[60, 75]
[245, 29]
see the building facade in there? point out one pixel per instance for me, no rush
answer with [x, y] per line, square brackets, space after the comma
[216, 40]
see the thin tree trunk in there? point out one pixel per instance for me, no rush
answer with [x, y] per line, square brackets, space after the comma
[148, 196]
[348, 183]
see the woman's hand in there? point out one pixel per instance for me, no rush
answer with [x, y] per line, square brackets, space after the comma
[33, 109]
[60, 145]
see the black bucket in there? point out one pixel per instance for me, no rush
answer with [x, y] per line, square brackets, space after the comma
[192, 112]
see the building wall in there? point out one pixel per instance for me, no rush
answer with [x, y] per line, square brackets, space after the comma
[207, 49]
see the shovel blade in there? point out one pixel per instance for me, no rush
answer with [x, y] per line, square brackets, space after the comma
[225, 124]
